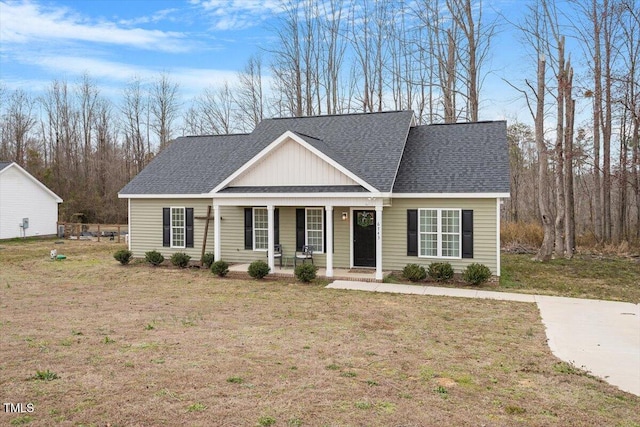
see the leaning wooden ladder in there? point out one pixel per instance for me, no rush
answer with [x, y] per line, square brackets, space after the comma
[206, 232]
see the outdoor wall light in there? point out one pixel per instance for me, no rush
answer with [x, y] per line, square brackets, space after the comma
[344, 216]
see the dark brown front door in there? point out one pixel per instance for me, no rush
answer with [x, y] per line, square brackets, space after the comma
[364, 238]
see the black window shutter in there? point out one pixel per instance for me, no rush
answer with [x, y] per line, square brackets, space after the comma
[189, 227]
[248, 228]
[412, 232]
[276, 226]
[166, 226]
[299, 229]
[467, 234]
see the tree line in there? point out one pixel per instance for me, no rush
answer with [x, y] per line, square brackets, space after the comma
[333, 57]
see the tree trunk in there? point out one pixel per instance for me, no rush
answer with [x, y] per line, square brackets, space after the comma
[546, 249]
[569, 224]
[559, 154]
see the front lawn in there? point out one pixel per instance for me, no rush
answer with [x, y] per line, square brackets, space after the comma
[585, 276]
[90, 342]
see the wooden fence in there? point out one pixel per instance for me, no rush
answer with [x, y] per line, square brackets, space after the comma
[77, 230]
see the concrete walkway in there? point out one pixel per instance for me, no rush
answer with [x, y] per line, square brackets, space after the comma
[602, 337]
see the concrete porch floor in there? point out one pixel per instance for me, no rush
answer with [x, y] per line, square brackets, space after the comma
[360, 274]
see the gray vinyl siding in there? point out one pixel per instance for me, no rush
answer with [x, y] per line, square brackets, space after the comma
[394, 233]
[146, 232]
[146, 226]
[232, 236]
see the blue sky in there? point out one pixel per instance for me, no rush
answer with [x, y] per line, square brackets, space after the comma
[200, 43]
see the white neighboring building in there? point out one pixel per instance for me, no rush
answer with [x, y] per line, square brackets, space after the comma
[22, 197]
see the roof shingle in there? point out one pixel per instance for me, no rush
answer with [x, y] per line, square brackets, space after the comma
[380, 148]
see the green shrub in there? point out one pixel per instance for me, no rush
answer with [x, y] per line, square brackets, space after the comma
[123, 256]
[476, 274]
[154, 257]
[414, 272]
[258, 269]
[208, 259]
[440, 271]
[221, 268]
[180, 259]
[306, 272]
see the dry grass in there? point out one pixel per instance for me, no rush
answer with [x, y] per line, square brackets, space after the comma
[142, 346]
[585, 276]
[521, 233]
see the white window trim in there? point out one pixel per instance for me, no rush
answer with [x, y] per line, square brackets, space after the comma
[439, 233]
[306, 230]
[184, 227]
[253, 226]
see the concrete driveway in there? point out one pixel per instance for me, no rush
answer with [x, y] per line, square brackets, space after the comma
[602, 337]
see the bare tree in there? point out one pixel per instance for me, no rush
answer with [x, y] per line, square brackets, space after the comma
[249, 96]
[472, 49]
[134, 110]
[18, 121]
[217, 109]
[164, 107]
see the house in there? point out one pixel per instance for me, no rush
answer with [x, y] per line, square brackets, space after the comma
[368, 190]
[27, 206]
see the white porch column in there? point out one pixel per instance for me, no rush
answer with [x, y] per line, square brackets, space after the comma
[329, 249]
[378, 242]
[217, 250]
[270, 238]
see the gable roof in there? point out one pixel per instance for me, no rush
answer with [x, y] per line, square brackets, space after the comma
[4, 166]
[369, 145]
[455, 158]
[301, 141]
[382, 150]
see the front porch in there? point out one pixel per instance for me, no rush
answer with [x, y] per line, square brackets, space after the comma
[359, 274]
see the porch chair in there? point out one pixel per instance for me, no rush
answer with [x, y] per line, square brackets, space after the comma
[305, 254]
[277, 253]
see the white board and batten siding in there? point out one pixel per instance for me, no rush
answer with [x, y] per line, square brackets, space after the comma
[302, 168]
[23, 196]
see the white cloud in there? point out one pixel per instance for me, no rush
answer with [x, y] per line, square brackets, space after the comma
[26, 22]
[164, 14]
[238, 14]
[192, 81]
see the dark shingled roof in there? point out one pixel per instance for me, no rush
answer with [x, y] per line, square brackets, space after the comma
[369, 145]
[4, 165]
[455, 158]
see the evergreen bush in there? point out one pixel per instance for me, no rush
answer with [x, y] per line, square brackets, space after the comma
[306, 272]
[220, 268]
[258, 269]
[414, 272]
[154, 258]
[476, 274]
[180, 259]
[123, 256]
[440, 271]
